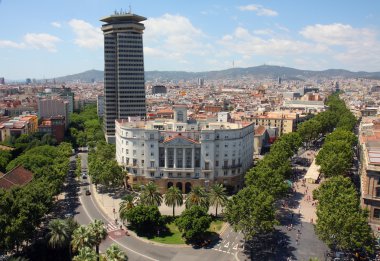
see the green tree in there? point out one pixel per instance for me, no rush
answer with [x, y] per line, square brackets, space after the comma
[82, 238]
[85, 254]
[218, 196]
[150, 195]
[342, 135]
[341, 222]
[58, 233]
[252, 212]
[125, 205]
[114, 253]
[198, 197]
[309, 130]
[173, 198]
[144, 218]
[193, 223]
[98, 233]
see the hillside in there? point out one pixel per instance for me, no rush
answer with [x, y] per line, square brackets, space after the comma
[263, 71]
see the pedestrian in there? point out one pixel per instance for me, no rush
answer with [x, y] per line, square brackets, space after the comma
[292, 215]
[311, 220]
[116, 221]
[297, 241]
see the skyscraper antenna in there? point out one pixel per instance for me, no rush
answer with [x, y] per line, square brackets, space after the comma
[130, 9]
[233, 63]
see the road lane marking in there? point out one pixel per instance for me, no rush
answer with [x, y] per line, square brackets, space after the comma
[226, 245]
[235, 247]
[117, 242]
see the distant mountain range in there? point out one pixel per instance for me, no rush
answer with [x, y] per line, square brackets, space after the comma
[262, 71]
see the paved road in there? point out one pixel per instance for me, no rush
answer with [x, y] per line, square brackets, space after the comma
[138, 249]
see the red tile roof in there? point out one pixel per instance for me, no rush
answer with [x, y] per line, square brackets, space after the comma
[19, 176]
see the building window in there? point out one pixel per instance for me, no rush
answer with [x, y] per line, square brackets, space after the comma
[207, 165]
[206, 154]
[225, 163]
[225, 173]
[151, 136]
[126, 151]
[226, 145]
[142, 144]
[152, 174]
[152, 154]
[187, 175]
[376, 213]
[142, 163]
[152, 145]
[197, 175]
[152, 164]
[217, 163]
[134, 153]
[179, 175]
[161, 174]
[207, 175]
[170, 175]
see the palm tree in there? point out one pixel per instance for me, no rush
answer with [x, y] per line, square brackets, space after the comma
[218, 196]
[82, 238]
[85, 254]
[197, 197]
[98, 232]
[173, 197]
[150, 195]
[113, 253]
[58, 234]
[125, 205]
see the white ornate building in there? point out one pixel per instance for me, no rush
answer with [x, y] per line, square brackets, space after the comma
[184, 153]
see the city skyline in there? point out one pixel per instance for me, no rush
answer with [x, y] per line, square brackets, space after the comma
[46, 37]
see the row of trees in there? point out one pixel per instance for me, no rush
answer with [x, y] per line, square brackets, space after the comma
[193, 222]
[68, 235]
[341, 223]
[23, 208]
[86, 127]
[103, 167]
[252, 209]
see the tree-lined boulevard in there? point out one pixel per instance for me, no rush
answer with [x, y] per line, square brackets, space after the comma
[254, 213]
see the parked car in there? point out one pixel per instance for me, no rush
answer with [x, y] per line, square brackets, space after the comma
[88, 192]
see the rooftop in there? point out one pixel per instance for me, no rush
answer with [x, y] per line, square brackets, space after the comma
[19, 176]
[122, 17]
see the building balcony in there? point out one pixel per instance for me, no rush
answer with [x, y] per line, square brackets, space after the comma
[370, 197]
[206, 169]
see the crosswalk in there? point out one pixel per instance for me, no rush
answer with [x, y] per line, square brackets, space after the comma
[111, 227]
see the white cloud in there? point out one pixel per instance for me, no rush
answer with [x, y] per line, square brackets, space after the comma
[173, 37]
[355, 48]
[11, 44]
[56, 24]
[247, 44]
[259, 10]
[35, 41]
[87, 35]
[338, 34]
[41, 41]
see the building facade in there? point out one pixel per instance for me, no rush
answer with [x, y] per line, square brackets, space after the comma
[124, 82]
[184, 153]
[52, 107]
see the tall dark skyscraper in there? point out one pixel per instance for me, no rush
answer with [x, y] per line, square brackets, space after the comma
[124, 82]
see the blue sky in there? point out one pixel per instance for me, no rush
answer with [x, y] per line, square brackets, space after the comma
[44, 39]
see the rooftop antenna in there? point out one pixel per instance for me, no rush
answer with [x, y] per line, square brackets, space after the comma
[130, 9]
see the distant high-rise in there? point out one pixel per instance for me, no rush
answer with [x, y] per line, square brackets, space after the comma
[2, 80]
[124, 82]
